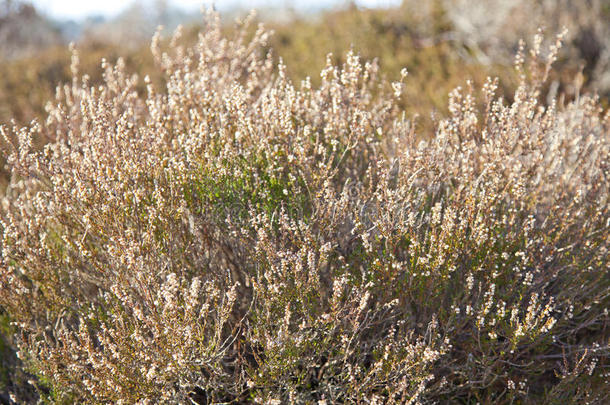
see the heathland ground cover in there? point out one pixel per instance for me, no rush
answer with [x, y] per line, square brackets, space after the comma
[223, 229]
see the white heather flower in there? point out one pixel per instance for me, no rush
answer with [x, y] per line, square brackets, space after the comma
[397, 87]
[470, 281]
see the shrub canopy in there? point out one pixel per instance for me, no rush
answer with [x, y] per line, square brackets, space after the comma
[234, 236]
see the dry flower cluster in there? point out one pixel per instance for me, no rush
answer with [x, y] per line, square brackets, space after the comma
[234, 237]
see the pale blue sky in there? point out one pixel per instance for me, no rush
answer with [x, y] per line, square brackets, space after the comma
[80, 8]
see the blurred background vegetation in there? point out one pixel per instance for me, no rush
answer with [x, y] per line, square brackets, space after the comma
[442, 43]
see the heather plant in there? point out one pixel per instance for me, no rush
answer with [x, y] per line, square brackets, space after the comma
[415, 36]
[397, 37]
[231, 236]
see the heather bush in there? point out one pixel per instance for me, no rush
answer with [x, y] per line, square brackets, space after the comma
[232, 236]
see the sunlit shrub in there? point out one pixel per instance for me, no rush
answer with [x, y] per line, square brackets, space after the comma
[233, 236]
